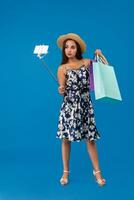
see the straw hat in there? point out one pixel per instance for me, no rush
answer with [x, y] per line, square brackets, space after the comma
[72, 36]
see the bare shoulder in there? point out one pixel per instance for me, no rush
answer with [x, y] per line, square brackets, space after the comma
[62, 68]
[87, 61]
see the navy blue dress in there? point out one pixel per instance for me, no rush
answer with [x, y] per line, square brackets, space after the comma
[76, 118]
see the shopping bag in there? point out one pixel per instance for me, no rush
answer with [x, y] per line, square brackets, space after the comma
[91, 79]
[105, 81]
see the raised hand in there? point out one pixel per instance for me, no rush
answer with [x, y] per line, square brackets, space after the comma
[99, 53]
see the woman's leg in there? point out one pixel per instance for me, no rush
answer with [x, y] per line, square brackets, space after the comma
[92, 150]
[66, 148]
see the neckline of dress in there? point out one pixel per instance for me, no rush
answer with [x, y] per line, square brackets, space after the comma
[75, 69]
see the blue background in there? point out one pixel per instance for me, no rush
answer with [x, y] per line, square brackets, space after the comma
[30, 155]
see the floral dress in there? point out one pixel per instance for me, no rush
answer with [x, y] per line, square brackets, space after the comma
[76, 118]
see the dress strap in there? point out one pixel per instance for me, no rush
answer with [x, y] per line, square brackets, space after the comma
[66, 66]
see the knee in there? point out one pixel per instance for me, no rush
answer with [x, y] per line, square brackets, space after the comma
[91, 143]
[65, 141]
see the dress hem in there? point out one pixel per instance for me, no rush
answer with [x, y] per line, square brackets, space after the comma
[79, 140]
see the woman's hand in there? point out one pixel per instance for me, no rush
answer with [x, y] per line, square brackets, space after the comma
[98, 52]
[61, 89]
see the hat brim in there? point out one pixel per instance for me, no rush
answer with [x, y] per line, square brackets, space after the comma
[74, 37]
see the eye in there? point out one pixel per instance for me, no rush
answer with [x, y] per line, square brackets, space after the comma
[73, 47]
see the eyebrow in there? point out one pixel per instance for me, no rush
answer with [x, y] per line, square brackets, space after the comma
[71, 45]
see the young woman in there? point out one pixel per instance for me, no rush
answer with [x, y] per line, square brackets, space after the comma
[76, 120]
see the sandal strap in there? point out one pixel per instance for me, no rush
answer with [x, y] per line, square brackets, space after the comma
[95, 172]
[99, 180]
[66, 171]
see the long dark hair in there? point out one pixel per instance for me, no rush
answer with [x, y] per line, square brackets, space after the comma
[78, 53]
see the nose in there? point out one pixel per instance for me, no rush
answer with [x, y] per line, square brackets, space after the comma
[69, 50]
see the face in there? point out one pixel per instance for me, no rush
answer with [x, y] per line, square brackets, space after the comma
[70, 49]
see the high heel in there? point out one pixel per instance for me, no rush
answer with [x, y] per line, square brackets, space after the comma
[100, 181]
[63, 180]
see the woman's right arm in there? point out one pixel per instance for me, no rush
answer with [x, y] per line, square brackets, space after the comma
[61, 79]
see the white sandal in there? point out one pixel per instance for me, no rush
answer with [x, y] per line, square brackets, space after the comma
[100, 181]
[63, 180]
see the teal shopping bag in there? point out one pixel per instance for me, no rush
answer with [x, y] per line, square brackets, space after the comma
[105, 81]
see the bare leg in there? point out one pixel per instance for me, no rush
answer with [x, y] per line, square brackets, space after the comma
[92, 150]
[66, 148]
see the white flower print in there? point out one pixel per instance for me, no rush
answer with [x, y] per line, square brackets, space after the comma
[76, 120]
